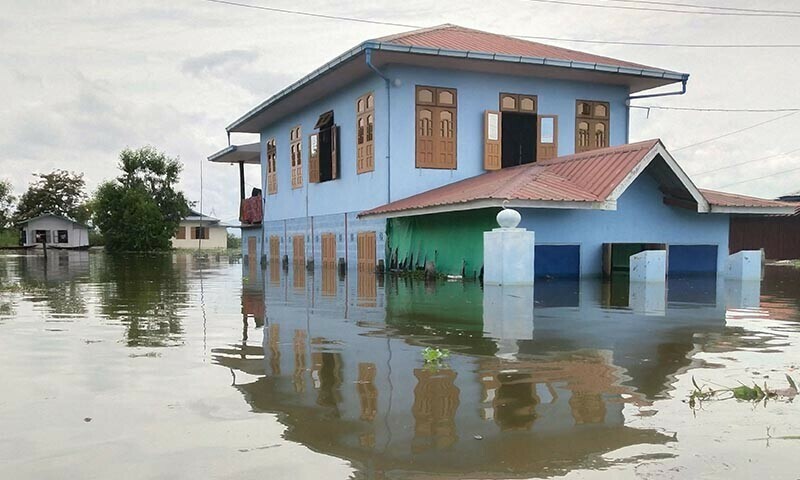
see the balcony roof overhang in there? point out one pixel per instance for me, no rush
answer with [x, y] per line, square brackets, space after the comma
[249, 154]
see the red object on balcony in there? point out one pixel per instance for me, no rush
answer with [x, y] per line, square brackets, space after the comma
[251, 211]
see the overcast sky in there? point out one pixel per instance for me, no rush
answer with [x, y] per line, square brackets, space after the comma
[81, 80]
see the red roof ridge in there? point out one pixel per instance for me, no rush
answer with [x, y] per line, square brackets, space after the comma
[628, 147]
[434, 37]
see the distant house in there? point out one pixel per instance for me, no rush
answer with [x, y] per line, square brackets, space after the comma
[198, 231]
[402, 150]
[54, 230]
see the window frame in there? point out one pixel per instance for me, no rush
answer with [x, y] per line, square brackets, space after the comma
[296, 156]
[436, 145]
[365, 141]
[592, 121]
[272, 167]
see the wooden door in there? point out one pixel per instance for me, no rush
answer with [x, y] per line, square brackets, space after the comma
[299, 250]
[366, 251]
[328, 250]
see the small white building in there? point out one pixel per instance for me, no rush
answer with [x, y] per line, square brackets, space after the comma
[198, 231]
[54, 230]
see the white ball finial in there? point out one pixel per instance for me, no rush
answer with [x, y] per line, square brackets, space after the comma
[508, 218]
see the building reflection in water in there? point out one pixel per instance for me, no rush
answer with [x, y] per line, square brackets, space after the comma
[543, 399]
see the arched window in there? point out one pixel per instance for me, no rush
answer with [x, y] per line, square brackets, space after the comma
[591, 125]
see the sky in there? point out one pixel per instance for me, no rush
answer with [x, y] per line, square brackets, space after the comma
[81, 80]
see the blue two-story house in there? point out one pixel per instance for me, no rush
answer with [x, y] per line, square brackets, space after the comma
[400, 151]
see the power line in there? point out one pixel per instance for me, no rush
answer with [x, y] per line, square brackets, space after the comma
[671, 45]
[670, 10]
[310, 14]
[530, 37]
[735, 132]
[761, 178]
[707, 7]
[724, 110]
[745, 163]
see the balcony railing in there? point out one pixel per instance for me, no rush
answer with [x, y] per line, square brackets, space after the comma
[251, 210]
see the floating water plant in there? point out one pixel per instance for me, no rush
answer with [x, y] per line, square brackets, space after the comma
[435, 356]
[754, 394]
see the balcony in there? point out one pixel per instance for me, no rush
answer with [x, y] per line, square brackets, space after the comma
[251, 211]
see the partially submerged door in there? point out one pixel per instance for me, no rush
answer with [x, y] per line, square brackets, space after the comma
[366, 252]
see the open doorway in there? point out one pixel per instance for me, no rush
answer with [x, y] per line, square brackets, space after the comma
[518, 138]
[517, 133]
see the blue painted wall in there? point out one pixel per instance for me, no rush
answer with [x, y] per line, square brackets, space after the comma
[641, 217]
[477, 92]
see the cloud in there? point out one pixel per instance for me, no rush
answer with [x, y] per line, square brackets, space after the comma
[216, 63]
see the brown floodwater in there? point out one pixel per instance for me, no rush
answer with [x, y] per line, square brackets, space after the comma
[175, 366]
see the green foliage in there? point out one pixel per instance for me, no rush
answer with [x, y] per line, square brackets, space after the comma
[9, 238]
[6, 204]
[234, 242]
[140, 210]
[59, 192]
[96, 239]
[754, 394]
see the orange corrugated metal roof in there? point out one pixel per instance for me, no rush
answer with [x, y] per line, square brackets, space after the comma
[583, 177]
[723, 199]
[454, 37]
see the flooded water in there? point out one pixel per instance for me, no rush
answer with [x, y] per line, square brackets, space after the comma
[180, 367]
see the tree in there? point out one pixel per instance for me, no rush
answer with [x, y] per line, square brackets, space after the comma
[141, 210]
[6, 204]
[59, 192]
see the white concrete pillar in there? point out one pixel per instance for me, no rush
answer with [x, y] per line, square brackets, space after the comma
[508, 252]
[744, 265]
[649, 266]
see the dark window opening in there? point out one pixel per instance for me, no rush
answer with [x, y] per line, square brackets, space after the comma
[324, 150]
[63, 236]
[40, 236]
[23, 237]
[518, 139]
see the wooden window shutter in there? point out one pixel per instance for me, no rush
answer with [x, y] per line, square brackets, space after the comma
[591, 125]
[492, 142]
[313, 158]
[369, 144]
[193, 233]
[436, 128]
[424, 137]
[547, 138]
[335, 152]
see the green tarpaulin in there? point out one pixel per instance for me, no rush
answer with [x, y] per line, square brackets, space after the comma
[453, 241]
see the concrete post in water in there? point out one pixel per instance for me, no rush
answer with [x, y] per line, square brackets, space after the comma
[649, 266]
[744, 265]
[508, 252]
